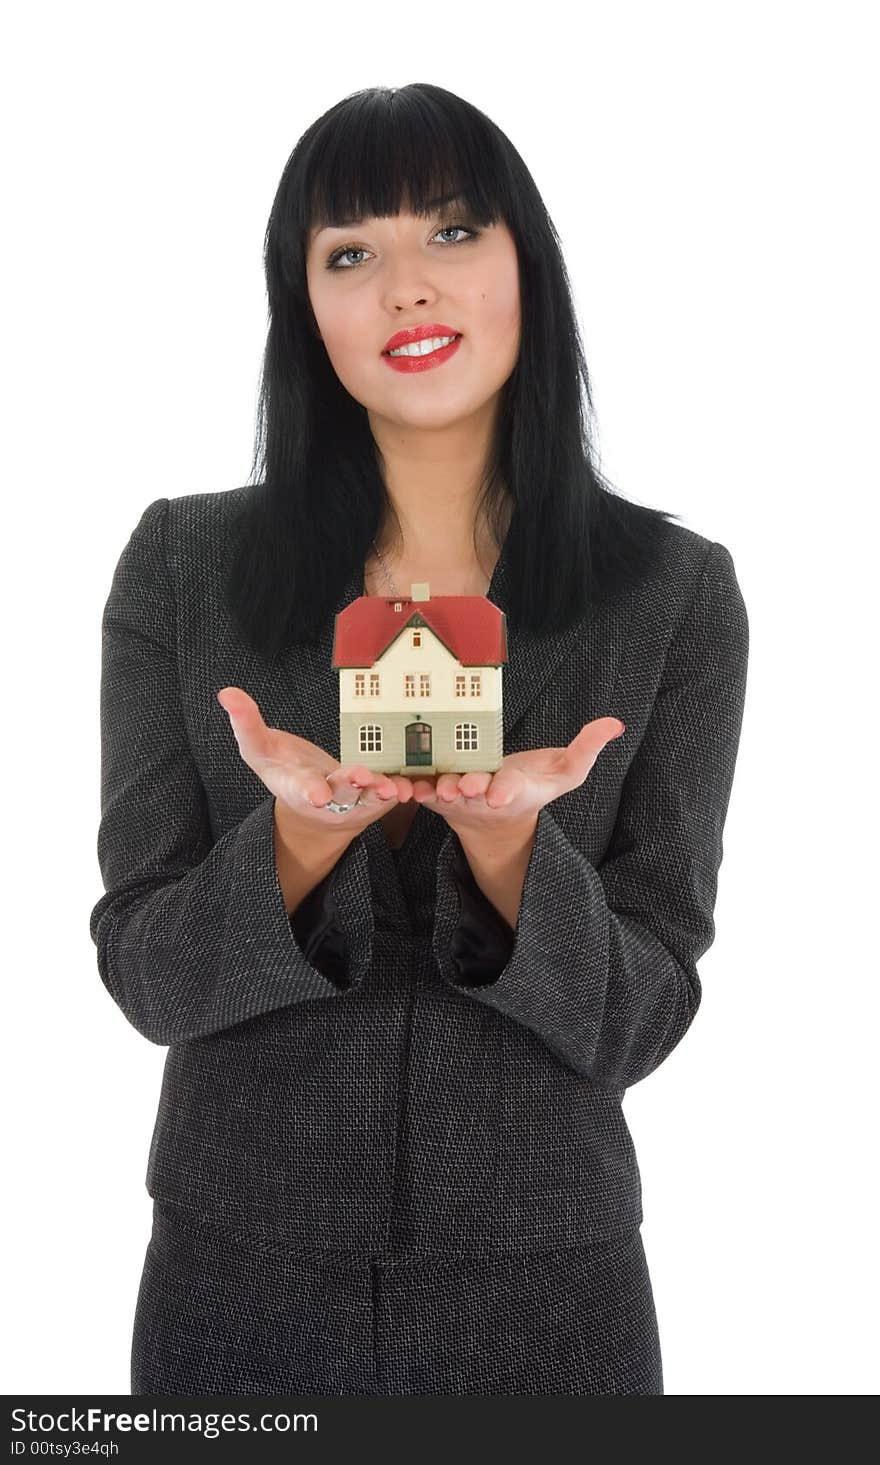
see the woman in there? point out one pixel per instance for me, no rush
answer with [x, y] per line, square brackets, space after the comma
[401, 1009]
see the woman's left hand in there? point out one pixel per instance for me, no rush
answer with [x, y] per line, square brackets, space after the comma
[507, 802]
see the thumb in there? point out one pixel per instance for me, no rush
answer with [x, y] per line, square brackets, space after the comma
[617, 730]
[244, 715]
[595, 735]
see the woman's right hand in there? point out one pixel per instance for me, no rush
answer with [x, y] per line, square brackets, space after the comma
[305, 778]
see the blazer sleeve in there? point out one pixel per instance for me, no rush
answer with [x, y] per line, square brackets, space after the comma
[192, 934]
[603, 966]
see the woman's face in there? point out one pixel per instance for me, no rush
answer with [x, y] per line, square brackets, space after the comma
[385, 275]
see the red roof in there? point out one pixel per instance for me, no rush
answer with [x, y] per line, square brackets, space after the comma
[471, 627]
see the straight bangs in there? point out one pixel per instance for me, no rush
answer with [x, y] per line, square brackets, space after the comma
[383, 152]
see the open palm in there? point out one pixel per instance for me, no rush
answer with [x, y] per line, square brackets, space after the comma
[301, 773]
[521, 786]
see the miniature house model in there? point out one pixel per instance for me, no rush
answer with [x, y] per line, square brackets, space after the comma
[420, 683]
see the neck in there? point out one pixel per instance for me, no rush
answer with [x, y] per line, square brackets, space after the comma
[433, 478]
[390, 570]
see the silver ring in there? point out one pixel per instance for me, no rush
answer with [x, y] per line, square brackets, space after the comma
[340, 808]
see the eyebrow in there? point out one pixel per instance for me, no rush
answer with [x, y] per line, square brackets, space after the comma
[433, 204]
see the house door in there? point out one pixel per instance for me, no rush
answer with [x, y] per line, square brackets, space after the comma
[418, 744]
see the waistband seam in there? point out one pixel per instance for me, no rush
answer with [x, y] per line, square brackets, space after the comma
[196, 1222]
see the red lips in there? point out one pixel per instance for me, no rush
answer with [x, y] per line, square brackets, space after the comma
[417, 333]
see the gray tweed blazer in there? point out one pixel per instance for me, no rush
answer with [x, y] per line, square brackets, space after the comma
[392, 1070]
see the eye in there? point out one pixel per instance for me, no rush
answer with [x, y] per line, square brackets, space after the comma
[334, 262]
[455, 229]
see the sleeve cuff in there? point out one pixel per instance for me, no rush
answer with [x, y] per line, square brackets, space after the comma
[473, 943]
[330, 934]
[538, 981]
[319, 929]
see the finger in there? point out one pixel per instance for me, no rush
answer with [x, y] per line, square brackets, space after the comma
[472, 784]
[504, 788]
[591, 739]
[447, 788]
[245, 718]
[318, 791]
[324, 790]
[368, 781]
[357, 781]
[404, 787]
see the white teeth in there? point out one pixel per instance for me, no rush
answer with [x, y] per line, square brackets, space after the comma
[423, 347]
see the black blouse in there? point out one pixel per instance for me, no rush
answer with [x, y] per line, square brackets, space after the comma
[480, 946]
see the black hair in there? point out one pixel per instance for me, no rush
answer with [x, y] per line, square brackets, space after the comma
[305, 524]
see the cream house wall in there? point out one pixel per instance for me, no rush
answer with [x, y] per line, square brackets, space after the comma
[431, 657]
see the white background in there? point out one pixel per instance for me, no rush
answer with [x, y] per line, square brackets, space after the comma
[711, 170]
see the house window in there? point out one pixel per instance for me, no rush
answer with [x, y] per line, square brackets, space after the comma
[424, 684]
[374, 684]
[466, 740]
[475, 684]
[459, 684]
[416, 638]
[409, 684]
[369, 738]
[359, 684]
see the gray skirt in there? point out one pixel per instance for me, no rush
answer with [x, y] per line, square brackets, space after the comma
[221, 1313]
